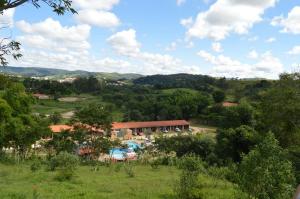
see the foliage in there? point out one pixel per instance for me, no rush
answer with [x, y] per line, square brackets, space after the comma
[280, 110]
[198, 82]
[188, 184]
[266, 173]
[234, 142]
[203, 146]
[55, 118]
[12, 48]
[95, 115]
[66, 165]
[36, 165]
[219, 96]
[129, 170]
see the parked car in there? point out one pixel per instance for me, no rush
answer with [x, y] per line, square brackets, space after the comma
[165, 131]
[177, 130]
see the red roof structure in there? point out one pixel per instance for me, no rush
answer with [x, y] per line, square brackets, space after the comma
[60, 128]
[229, 104]
[151, 124]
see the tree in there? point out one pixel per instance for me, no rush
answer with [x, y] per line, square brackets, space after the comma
[233, 143]
[236, 116]
[17, 98]
[12, 48]
[95, 115]
[55, 118]
[266, 173]
[280, 110]
[219, 96]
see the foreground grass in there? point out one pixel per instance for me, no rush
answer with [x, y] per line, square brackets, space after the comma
[17, 181]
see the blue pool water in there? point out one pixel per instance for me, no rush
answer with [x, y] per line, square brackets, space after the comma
[133, 145]
[118, 153]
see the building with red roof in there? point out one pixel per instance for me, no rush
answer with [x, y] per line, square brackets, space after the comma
[154, 126]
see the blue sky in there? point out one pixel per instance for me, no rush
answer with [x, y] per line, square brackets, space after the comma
[232, 38]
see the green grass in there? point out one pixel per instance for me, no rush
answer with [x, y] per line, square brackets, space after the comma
[51, 106]
[17, 181]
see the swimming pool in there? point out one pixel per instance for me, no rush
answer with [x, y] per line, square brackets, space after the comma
[133, 145]
[122, 154]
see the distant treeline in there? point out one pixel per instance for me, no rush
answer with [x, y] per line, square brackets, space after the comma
[198, 82]
[80, 85]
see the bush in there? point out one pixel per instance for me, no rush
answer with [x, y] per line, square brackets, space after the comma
[117, 167]
[154, 164]
[66, 165]
[191, 163]
[36, 165]
[188, 185]
[129, 170]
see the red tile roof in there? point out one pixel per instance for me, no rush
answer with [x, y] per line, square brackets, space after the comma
[60, 128]
[229, 104]
[132, 125]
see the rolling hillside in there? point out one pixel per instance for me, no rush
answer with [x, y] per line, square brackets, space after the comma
[59, 73]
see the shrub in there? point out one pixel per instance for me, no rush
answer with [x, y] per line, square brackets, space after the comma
[66, 165]
[154, 164]
[117, 167]
[188, 185]
[191, 163]
[129, 170]
[266, 172]
[36, 165]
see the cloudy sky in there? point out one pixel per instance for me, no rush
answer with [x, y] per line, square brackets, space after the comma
[232, 38]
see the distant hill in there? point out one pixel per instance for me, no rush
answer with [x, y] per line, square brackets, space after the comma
[60, 73]
[199, 82]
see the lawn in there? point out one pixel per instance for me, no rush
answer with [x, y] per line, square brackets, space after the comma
[17, 181]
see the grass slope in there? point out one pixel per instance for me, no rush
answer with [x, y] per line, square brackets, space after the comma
[17, 181]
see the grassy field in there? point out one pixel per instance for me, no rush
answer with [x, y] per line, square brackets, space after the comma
[51, 106]
[17, 181]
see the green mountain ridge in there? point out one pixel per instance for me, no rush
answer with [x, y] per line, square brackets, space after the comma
[61, 73]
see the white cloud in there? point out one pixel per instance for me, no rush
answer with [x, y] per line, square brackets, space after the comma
[97, 13]
[187, 22]
[49, 44]
[228, 16]
[7, 18]
[171, 47]
[271, 40]
[180, 2]
[290, 24]
[126, 44]
[253, 54]
[217, 47]
[98, 18]
[96, 4]
[50, 35]
[252, 39]
[295, 50]
[267, 66]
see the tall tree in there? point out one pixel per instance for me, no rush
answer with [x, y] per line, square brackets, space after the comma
[266, 173]
[280, 110]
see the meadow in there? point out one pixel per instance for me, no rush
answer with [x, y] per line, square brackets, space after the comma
[109, 182]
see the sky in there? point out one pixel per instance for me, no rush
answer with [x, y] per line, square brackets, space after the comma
[221, 38]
